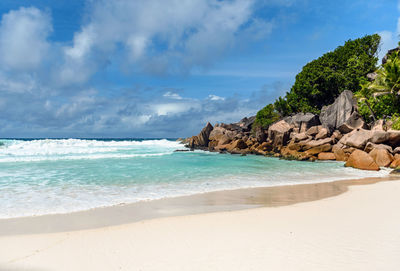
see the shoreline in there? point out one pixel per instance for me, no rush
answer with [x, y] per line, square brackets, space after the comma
[201, 203]
[357, 230]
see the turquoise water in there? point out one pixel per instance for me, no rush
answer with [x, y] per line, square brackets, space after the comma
[57, 176]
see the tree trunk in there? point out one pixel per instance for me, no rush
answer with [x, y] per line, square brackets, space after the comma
[370, 110]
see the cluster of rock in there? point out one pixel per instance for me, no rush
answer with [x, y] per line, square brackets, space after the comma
[338, 133]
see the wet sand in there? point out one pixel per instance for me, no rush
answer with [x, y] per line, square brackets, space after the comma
[219, 201]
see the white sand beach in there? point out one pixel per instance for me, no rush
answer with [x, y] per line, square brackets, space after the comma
[356, 230]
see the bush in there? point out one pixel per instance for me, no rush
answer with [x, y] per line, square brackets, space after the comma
[396, 122]
[265, 117]
[383, 106]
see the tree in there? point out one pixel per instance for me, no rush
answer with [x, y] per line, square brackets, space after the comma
[265, 117]
[323, 79]
[382, 96]
[363, 96]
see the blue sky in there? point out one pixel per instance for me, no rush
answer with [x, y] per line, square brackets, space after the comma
[163, 68]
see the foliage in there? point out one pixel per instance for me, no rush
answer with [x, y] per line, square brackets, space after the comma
[382, 96]
[382, 106]
[323, 79]
[266, 116]
[396, 122]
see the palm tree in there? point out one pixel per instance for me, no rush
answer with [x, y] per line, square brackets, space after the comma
[363, 95]
[388, 77]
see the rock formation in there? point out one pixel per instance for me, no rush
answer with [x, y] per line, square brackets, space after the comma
[339, 133]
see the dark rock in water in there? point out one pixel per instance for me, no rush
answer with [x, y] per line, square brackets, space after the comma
[395, 171]
[204, 135]
[336, 114]
[181, 150]
[303, 121]
[201, 140]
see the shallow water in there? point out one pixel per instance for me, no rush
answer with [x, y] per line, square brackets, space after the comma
[64, 175]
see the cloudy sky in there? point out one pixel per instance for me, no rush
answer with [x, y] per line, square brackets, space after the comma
[163, 68]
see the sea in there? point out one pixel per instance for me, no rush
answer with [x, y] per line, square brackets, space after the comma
[48, 176]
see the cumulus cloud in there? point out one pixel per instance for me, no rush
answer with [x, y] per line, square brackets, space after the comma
[46, 87]
[159, 36]
[23, 38]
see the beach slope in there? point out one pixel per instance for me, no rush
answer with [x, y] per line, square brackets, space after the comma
[356, 230]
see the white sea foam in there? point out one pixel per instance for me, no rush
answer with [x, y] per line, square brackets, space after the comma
[73, 149]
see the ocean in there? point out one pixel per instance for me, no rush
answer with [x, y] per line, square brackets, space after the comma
[46, 176]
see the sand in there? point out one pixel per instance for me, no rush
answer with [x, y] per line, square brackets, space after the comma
[355, 230]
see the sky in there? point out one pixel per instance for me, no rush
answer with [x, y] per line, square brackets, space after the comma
[163, 68]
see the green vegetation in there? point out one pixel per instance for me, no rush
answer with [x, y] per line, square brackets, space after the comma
[381, 98]
[266, 116]
[396, 122]
[323, 79]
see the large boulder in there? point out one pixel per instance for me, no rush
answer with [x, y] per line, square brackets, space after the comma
[355, 121]
[382, 157]
[203, 136]
[313, 131]
[246, 123]
[336, 114]
[370, 146]
[300, 137]
[319, 149]
[326, 156]
[302, 121]
[322, 133]
[306, 145]
[359, 138]
[340, 154]
[260, 134]
[279, 133]
[394, 138]
[361, 160]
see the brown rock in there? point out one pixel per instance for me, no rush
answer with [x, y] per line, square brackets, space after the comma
[395, 163]
[326, 156]
[319, 149]
[337, 135]
[322, 133]
[315, 143]
[355, 121]
[370, 146]
[382, 157]
[313, 130]
[300, 137]
[361, 160]
[396, 150]
[279, 133]
[394, 138]
[203, 136]
[340, 155]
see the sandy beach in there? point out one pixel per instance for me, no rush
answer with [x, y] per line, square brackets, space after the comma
[355, 230]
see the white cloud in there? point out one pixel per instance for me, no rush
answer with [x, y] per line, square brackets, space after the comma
[213, 97]
[389, 40]
[172, 95]
[23, 38]
[163, 109]
[158, 36]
